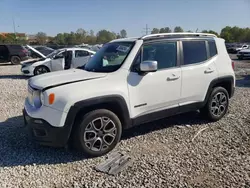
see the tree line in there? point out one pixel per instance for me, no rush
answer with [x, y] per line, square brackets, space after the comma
[230, 34]
[80, 36]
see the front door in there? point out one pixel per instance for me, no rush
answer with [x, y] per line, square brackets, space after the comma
[156, 91]
[80, 59]
[58, 62]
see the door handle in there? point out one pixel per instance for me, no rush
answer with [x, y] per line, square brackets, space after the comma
[209, 70]
[173, 77]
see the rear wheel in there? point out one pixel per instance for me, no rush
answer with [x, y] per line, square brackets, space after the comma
[217, 104]
[97, 133]
[15, 60]
[41, 70]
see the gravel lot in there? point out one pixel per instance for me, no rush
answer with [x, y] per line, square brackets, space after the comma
[165, 152]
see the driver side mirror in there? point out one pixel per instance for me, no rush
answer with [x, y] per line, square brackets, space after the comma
[148, 66]
[58, 56]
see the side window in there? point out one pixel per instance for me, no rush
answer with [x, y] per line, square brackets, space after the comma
[212, 48]
[165, 53]
[81, 53]
[194, 52]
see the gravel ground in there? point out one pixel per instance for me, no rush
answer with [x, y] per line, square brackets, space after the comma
[166, 153]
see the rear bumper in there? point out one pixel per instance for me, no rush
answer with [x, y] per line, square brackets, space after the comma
[24, 58]
[45, 134]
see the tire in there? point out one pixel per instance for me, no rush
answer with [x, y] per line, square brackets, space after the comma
[217, 104]
[15, 60]
[89, 134]
[41, 70]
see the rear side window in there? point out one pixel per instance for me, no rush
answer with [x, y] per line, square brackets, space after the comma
[16, 47]
[212, 48]
[81, 53]
[194, 52]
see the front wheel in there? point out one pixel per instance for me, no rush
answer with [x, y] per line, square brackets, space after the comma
[217, 104]
[41, 70]
[97, 133]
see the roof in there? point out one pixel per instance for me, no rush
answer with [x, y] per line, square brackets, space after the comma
[158, 35]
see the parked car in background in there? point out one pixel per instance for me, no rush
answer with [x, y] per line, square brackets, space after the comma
[13, 53]
[237, 47]
[244, 54]
[61, 59]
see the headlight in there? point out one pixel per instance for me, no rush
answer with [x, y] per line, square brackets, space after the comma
[42, 97]
[37, 99]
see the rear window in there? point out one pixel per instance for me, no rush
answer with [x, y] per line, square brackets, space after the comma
[194, 52]
[212, 48]
[16, 47]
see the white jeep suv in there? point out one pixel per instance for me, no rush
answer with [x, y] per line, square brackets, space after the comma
[146, 79]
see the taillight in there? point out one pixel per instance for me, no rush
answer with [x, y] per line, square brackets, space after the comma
[233, 65]
[25, 51]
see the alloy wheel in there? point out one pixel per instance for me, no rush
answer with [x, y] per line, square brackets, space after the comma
[99, 134]
[41, 70]
[219, 104]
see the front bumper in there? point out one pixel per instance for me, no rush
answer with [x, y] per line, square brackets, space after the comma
[28, 70]
[45, 134]
[243, 55]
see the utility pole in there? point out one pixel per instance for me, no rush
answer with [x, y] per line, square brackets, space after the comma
[147, 30]
[14, 27]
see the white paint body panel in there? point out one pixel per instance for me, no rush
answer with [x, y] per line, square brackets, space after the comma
[196, 79]
[154, 89]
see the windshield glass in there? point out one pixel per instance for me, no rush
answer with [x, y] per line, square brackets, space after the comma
[51, 55]
[109, 58]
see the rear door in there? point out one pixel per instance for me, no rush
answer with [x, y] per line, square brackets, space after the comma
[81, 57]
[198, 69]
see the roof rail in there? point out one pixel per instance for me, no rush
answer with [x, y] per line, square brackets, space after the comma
[177, 34]
[121, 39]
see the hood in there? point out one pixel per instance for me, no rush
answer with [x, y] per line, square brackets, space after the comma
[36, 51]
[58, 78]
[246, 50]
[30, 62]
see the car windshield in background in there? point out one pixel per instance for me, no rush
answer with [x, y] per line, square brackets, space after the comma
[109, 58]
[44, 50]
[51, 55]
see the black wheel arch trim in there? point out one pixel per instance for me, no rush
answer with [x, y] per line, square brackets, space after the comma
[217, 81]
[108, 99]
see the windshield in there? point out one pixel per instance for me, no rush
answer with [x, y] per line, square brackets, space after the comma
[109, 58]
[51, 55]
